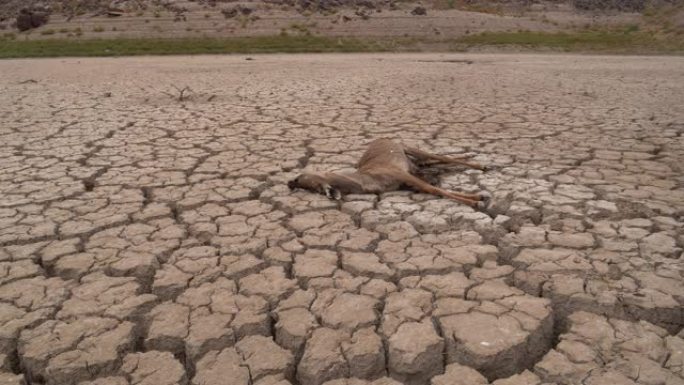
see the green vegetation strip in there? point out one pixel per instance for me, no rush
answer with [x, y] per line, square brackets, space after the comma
[120, 47]
[627, 41]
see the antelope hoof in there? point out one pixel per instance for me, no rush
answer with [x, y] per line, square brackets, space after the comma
[485, 200]
[332, 193]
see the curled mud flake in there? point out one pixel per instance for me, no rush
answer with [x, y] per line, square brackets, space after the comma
[154, 367]
[415, 353]
[612, 350]
[60, 352]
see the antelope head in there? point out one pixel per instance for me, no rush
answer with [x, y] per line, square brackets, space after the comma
[318, 183]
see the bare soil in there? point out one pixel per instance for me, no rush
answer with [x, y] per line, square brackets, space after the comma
[148, 235]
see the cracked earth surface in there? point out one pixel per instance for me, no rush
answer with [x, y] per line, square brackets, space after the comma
[144, 240]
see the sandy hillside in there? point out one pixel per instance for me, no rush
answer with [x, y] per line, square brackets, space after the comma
[352, 18]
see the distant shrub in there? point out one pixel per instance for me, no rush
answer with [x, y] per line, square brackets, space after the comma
[632, 28]
[620, 5]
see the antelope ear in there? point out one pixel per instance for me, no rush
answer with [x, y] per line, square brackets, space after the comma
[332, 193]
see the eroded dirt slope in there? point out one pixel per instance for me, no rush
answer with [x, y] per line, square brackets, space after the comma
[147, 240]
[338, 18]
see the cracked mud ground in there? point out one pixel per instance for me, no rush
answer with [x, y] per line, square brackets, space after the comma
[144, 240]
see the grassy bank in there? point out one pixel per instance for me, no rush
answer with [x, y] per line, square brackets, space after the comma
[190, 46]
[624, 41]
[627, 41]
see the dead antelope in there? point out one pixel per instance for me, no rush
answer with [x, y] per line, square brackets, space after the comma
[389, 166]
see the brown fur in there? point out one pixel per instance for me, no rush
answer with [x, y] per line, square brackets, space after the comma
[388, 166]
